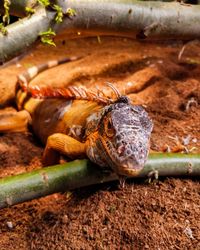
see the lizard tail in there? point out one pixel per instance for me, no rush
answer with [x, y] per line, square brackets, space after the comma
[71, 92]
[22, 87]
[29, 74]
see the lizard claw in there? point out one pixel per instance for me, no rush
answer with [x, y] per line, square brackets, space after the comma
[122, 182]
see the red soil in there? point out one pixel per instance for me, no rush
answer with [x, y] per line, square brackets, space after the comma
[161, 215]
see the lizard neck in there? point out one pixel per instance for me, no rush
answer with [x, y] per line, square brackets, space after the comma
[78, 116]
[61, 116]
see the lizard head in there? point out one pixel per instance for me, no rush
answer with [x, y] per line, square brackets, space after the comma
[119, 137]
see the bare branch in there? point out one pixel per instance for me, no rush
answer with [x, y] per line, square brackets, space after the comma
[131, 18]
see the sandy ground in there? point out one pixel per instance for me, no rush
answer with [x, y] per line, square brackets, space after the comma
[160, 215]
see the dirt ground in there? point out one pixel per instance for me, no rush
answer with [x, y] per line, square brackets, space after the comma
[160, 215]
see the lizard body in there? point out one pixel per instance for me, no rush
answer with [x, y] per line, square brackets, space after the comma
[80, 123]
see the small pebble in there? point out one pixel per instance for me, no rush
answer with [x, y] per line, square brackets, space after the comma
[188, 232]
[194, 140]
[129, 84]
[18, 65]
[65, 219]
[186, 140]
[9, 224]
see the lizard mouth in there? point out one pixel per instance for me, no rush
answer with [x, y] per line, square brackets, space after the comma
[130, 169]
[120, 166]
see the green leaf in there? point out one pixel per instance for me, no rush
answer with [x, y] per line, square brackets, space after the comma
[3, 29]
[48, 41]
[6, 17]
[46, 37]
[70, 12]
[59, 15]
[44, 2]
[49, 32]
[29, 11]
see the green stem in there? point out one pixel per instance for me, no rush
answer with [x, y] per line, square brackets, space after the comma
[80, 173]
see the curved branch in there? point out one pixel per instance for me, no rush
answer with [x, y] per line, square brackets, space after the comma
[131, 18]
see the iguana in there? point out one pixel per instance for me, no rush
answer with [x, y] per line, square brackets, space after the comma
[80, 123]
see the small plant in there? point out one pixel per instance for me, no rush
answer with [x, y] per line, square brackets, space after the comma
[45, 3]
[59, 15]
[70, 12]
[6, 17]
[46, 37]
[3, 29]
[29, 11]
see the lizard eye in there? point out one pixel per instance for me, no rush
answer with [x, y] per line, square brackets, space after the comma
[109, 128]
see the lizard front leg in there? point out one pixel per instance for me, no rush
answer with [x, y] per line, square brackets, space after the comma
[64, 144]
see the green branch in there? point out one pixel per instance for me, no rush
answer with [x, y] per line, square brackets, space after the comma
[80, 173]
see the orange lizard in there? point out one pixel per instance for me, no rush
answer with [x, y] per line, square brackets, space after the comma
[80, 123]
